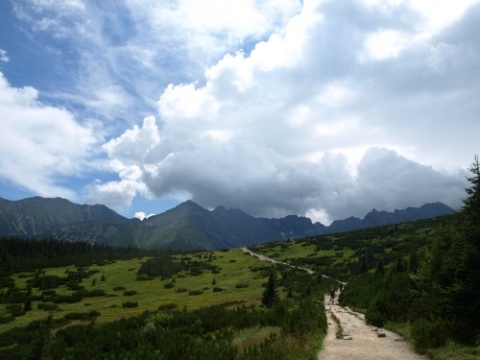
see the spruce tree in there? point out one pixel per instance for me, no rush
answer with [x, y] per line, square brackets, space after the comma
[270, 293]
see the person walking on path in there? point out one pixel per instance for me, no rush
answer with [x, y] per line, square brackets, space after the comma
[332, 295]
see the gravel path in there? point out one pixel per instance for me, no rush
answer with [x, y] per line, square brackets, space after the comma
[361, 341]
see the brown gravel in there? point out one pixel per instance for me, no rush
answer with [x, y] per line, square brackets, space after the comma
[361, 341]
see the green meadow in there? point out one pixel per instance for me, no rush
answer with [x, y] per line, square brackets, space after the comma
[118, 279]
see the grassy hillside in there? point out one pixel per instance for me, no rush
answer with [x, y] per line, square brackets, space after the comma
[120, 277]
[344, 255]
[210, 303]
[41, 310]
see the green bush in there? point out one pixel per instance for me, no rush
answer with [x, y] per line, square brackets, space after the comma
[82, 316]
[6, 319]
[129, 293]
[195, 292]
[429, 334]
[169, 306]
[48, 307]
[130, 304]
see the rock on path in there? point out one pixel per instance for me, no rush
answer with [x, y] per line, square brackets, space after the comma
[361, 341]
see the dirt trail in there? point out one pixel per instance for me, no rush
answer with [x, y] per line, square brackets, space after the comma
[361, 341]
[273, 261]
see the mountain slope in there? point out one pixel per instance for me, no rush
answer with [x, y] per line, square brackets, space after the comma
[185, 227]
[378, 218]
[37, 215]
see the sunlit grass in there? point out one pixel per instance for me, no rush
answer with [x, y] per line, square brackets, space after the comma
[150, 294]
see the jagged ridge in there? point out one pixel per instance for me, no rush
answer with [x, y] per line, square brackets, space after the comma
[185, 227]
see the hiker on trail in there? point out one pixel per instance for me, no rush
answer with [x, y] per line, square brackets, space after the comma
[332, 295]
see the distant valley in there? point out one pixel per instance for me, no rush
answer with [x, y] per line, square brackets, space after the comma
[185, 227]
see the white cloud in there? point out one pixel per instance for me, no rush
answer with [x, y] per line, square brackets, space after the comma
[385, 44]
[326, 108]
[40, 142]
[142, 216]
[274, 133]
[3, 56]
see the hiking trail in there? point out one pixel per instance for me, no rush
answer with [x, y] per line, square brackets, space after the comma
[360, 341]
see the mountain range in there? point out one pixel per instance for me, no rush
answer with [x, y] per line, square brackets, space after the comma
[185, 227]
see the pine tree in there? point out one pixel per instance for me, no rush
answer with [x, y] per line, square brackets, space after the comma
[270, 293]
[471, 208]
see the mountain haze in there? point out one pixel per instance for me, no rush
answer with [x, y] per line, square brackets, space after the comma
[185, 227]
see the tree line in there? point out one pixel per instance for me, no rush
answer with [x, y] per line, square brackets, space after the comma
[20, 254]
[436, 291]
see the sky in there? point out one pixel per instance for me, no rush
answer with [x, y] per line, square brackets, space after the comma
[317, 108]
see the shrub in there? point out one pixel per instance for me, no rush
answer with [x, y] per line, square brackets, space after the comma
[48, 307]
[169, 306]
[130, 304]
[169, 285]
[15, 309]
[82, 316]
[217, 289]
[119, 288]
[429, 334]
[129, 293]
[241, 286]
[195, 292]
[6, 319]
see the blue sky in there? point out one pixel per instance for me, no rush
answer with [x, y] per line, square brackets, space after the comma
[318, 108]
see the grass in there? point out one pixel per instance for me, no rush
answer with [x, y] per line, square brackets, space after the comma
[454, 351]
[451, 351]
[150, 294]
[307, 349]
[253, 336]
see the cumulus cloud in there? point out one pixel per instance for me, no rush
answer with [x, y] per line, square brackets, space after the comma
[329, 117]
[318, 108]
[40, 142]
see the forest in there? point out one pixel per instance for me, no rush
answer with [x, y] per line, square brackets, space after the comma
[432, 293]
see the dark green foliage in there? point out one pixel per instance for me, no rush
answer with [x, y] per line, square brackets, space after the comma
[28, 255]
[162, 265]
[48, 306]
[166, 307]
[308, 316]
[169, 285]
[241, 286]
[5, 319]
[16, 310]
[201, 334]
[82, 316]
[195, 292]
[270, 295]
[130, 304]
[436, 290]
[129, 293]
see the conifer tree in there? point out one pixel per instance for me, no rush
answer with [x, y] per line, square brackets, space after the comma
[270, 293]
